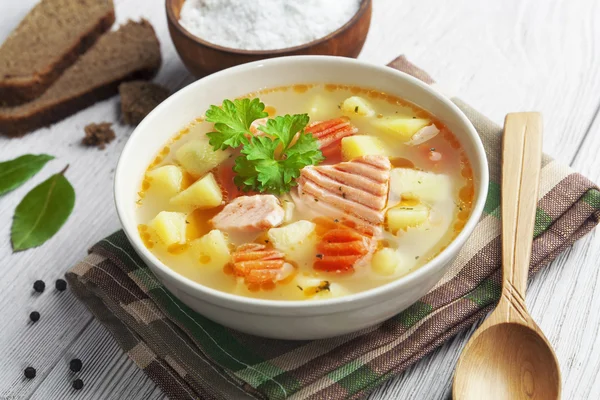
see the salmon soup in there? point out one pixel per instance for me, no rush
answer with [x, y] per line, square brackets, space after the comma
[305, 192]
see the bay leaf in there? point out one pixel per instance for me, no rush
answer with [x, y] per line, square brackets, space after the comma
[42, 212]
[14, 173]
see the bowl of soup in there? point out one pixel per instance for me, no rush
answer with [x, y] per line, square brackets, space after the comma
[301, 197]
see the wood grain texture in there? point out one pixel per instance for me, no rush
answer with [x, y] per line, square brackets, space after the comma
[508, 356]
[521, 160]
[499, 56]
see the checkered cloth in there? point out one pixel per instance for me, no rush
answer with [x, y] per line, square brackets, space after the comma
[189, 356]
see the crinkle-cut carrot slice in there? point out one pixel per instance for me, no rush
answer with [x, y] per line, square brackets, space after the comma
[257, 255]
[257, 264]
[342, 249]
[261, 276]
[333, 153]
[342, 236]
[245, 267]
[331, 131]
[337, 263]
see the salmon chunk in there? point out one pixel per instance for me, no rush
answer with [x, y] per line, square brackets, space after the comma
[250, 214]
[258, 264]
[356, 188]
[332, 131]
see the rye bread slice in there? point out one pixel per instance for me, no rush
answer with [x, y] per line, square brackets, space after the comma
[46, 42]
[132, 52]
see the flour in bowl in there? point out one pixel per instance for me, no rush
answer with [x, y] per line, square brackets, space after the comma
[265, 24]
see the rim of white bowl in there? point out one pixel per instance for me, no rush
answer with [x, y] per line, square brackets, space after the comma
[231, 300]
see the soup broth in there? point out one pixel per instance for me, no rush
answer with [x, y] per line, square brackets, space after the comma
[405, 191]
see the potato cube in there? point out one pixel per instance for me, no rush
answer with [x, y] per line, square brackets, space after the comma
[297, 240]
[202, 194]
[361, 145]
[321, 108]
[211, 249]
[426, 186]
[357, 106]
[197, 157]
[166, 179]
[402, 217]
[403, 128]
[288, 208]
[385, 261]
[169, 227]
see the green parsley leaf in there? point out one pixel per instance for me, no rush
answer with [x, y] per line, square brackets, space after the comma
[246, 177]
[232, 122]
[285, 128]
[308, 147]
[261, 148]
[271, 163]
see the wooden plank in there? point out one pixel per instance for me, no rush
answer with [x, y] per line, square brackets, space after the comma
[64, 320]
[513, 55]
[107, 372]
[503, 56]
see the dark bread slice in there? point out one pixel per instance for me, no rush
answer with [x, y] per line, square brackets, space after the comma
[132, 52]
[47, 41]
[138, 98]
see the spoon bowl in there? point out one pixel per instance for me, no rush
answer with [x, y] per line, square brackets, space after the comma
[513, 359]
[509, 357]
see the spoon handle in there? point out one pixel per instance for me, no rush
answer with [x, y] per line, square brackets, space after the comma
[521, 164]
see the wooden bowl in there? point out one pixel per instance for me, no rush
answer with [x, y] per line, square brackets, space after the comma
[202, 58]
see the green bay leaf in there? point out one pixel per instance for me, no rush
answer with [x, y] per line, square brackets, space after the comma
[42, 212]
[15, 172]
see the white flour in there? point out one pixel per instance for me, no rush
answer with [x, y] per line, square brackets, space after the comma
[265, 24]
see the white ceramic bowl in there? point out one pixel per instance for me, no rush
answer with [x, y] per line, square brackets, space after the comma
[311, 319]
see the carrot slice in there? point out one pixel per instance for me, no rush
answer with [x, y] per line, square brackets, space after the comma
[331, 131]
[336, 263]
[341, 246]
[257, 264]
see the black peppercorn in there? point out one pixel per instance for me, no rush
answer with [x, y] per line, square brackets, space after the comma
[39, 286]
[77, 384]
[29, 372]
[34, 316]
[61, 284]
[75, 365]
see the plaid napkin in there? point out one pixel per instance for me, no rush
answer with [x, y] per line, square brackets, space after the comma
[189, 356]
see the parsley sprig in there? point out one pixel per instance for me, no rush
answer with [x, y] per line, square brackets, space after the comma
[269, 163]
[232, 122]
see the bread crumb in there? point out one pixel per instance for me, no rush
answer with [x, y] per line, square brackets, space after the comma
[138, 98]
[98, 135]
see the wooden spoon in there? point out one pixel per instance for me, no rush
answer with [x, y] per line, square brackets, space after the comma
[509, 357]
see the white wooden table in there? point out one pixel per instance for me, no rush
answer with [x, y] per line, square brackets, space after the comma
[500, 56]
